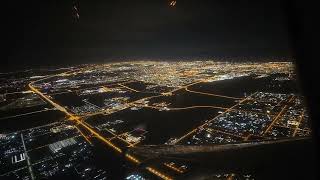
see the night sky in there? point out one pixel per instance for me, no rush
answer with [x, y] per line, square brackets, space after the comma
[48, 32]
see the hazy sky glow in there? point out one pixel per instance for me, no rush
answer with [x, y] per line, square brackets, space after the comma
[46, 33]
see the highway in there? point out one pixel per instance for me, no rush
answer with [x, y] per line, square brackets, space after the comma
[195, 129]
[161, 150]
[79, 121]
[299, 122]
[183, 108]
[210, 94]
[283, 110]
[83, 135]
[128, 87]
[28, 158]
[70, 115]
[127, 105]
[34, 112]
[130, 104]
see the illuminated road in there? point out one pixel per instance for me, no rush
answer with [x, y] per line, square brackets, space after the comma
[85, 137]
[229, 109]
[182, 108]
[177, 78]
[106, 89]
[28, 158]
[299, 122]
[186, 86]
[283, 110]
[71, 116]
[210, 94]
[173, 168]
[34, 112]
[125, 106]
[127, 87]
[227, 133]
[79, 121]
[20, 92]
[133, 103]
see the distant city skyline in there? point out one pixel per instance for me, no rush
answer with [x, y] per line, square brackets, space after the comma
[154, 119]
